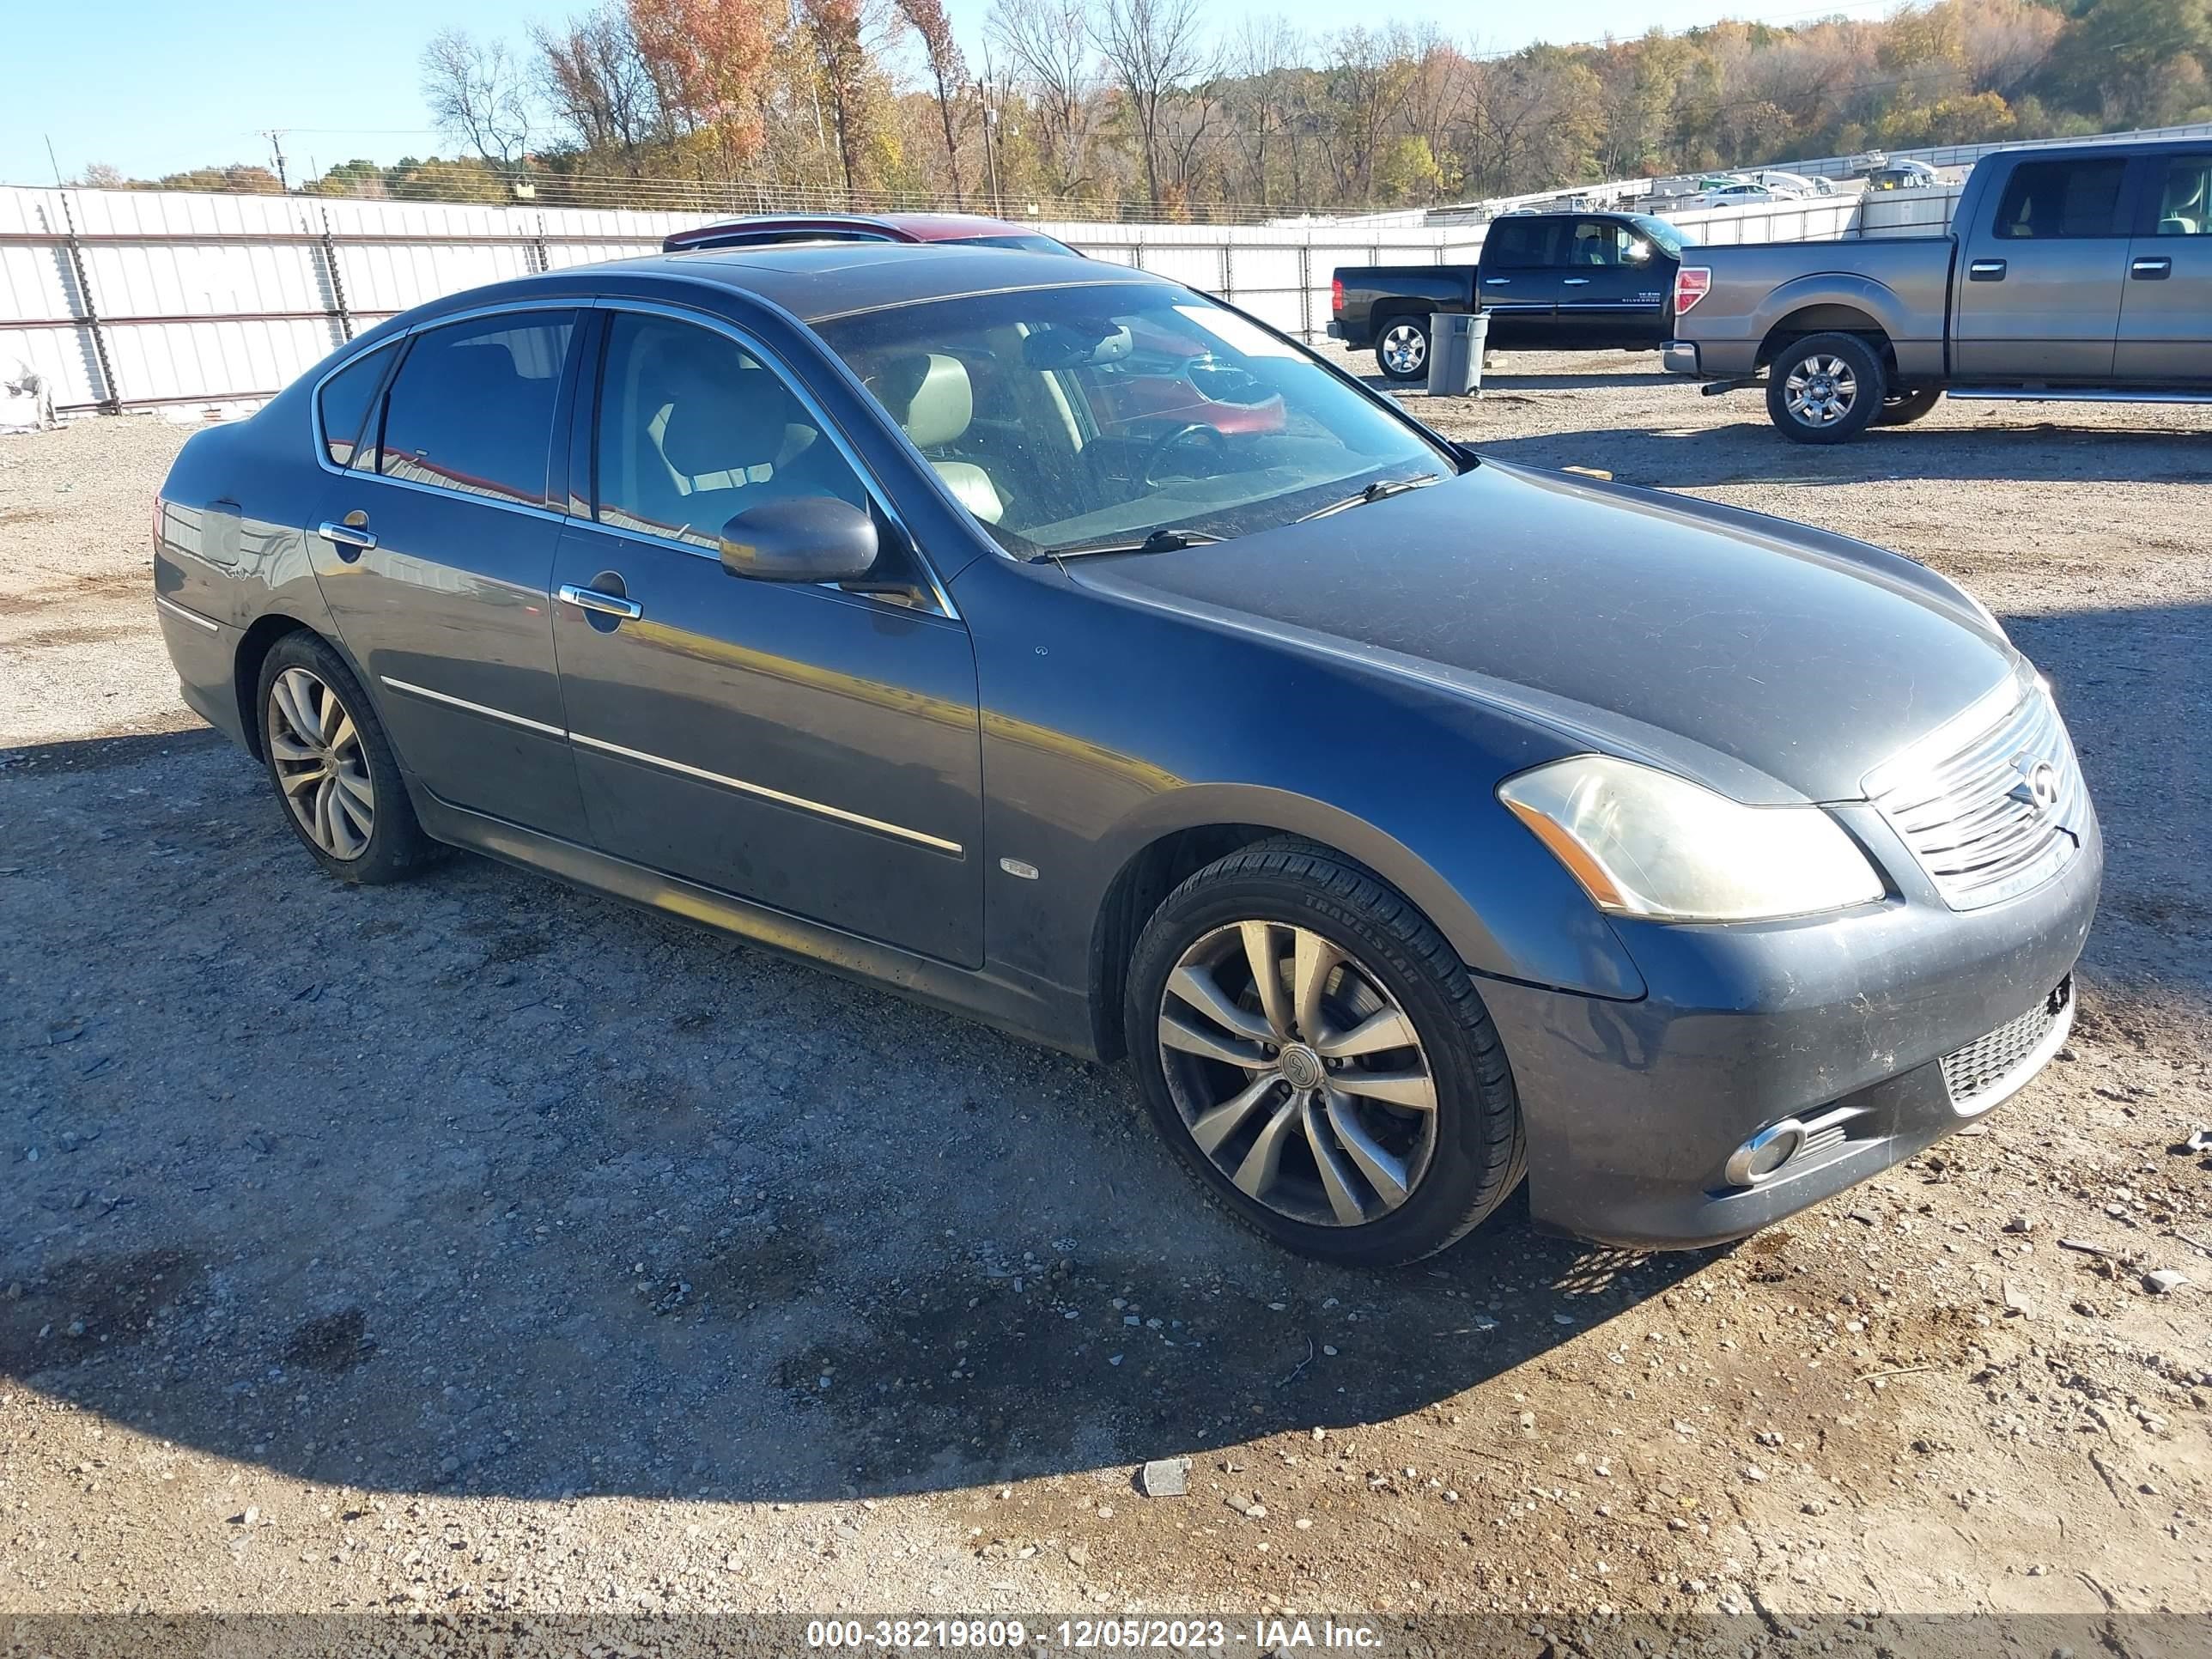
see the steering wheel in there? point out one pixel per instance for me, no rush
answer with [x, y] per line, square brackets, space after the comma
[1181, 434]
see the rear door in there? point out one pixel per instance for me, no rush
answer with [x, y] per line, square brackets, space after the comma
[1613, 290]
[1517, 282]
[2040, 297]
[435, 553]
[2166, 315]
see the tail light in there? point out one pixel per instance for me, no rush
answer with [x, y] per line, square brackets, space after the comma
[1691, 284]
[1336, 296]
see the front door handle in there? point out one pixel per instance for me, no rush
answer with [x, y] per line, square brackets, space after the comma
[607, 605]
[1986, 270]
[350, 536]
[2151, 269]
[1577, 282]
[1496, 282]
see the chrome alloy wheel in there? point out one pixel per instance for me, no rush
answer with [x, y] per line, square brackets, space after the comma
[1405, 348]
[1820, 389]
[320, 765]
[1297, 1074]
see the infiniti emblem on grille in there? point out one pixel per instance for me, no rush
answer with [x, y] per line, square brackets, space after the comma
[2038, 785]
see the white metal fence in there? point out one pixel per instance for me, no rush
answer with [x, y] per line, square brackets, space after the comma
[206, 304]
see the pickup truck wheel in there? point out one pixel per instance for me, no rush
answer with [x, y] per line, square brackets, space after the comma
[1903, 408]
[1825, 388]
[1402, 349]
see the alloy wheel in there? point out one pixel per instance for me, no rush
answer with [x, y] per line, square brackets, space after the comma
[320, 764]
[1405, 348]
[1820, 389]
[1297, 1074]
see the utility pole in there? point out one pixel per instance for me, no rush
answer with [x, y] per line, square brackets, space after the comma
[990, 139]
[275, 138]
[51, 162]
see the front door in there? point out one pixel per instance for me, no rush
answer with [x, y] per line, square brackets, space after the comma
[435, 553]
[1610, 293]
[810, 749]
[2041, 300]
[2165, 318]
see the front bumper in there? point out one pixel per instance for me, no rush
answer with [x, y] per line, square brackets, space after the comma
[1679, 357]
[1633, 1109]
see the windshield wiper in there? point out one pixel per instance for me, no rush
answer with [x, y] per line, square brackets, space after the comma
[1381, 488]
[1160, 541]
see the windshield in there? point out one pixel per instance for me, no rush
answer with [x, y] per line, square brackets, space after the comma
[1073, 418]
[1668, 241]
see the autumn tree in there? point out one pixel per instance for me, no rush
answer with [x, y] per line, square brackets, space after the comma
[1154, 50]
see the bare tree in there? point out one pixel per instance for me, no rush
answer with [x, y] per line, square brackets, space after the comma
[1268, 57]
[1153, 49]
[842, 58]
[595, 81]
[1049, 42]
[948, 68]
[477, 95]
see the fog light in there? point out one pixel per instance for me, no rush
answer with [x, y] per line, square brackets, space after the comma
[1765, 1152]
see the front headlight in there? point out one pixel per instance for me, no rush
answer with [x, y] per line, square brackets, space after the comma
[1646, 843]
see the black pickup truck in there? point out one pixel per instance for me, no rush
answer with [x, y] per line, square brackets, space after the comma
[1574, 281]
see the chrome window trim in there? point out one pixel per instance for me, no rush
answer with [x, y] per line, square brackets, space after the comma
[192, 617]
[937, 843]
[823, 422]
[489, 712]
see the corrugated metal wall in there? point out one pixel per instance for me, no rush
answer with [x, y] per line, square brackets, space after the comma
[201, 305]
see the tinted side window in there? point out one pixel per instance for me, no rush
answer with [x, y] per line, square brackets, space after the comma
[693, 430]
[343, 403]
[2045, 199]
[2185, 198]
[1518, 244]
[471, 408]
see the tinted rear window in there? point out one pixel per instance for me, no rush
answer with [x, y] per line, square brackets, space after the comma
[471, 409]
[1519, 244]
[2044, 199]
[343, 403]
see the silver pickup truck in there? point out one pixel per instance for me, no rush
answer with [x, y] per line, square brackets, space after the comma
[2081, 272]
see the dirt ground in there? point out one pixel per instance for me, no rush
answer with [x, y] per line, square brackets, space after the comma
[479, 1245]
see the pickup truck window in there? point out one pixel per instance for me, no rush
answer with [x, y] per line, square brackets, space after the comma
[2046, 199]
[1605, 243]
[1519, 244]
[2185, 198]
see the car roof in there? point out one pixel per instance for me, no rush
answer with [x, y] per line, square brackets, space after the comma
[817, 281]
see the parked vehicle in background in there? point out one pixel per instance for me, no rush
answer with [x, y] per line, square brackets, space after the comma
[1790, 184]
[1410, 822]
[1903, 175]
[769, 229]
[2083, 271]
[1563, 280]
[1736, 194]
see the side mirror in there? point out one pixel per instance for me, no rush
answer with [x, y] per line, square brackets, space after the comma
[808, 538]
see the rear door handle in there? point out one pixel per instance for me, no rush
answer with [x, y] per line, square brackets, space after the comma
[607, 605]
[350, 537]
[2151, 269]
[1496, 282]
[1986, 270]
[1577, 282]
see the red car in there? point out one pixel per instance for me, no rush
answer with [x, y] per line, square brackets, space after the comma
[761, 229]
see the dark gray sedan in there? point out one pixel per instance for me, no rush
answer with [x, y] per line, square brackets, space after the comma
[1057, 645]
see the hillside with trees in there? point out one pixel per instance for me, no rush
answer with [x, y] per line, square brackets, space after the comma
[1145, 107]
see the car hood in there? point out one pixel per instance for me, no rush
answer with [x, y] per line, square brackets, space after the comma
[1742, 650]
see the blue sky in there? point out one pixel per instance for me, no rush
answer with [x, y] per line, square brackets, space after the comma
[156, 86]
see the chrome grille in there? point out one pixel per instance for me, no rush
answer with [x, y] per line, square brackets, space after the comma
[1964, 801]
[1985, 1066]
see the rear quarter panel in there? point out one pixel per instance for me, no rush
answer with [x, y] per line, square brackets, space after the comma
[1765, 290]
[1373, 293]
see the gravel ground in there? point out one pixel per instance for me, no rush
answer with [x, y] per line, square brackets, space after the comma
[479, 1245]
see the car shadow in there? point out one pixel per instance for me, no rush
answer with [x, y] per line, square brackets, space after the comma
[2002, 444]
[480, 1183]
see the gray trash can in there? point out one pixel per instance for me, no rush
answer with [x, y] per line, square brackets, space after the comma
[1456, 339]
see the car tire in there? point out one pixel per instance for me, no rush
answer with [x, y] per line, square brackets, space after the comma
[331, 766]
[1401, 347]
[1825, 388]
[1903, 408]
[1438, 1116]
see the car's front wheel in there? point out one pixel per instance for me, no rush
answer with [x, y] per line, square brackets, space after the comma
[1825, 388]
[1318, 1054]
[1402, 349]
[332, 766]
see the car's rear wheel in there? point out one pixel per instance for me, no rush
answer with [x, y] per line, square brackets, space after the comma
[332, 766]
[1825, 388]
[1402, 349]
[1906, 405]
[1316, 1054]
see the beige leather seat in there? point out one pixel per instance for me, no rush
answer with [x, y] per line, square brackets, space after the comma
[931, 397]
